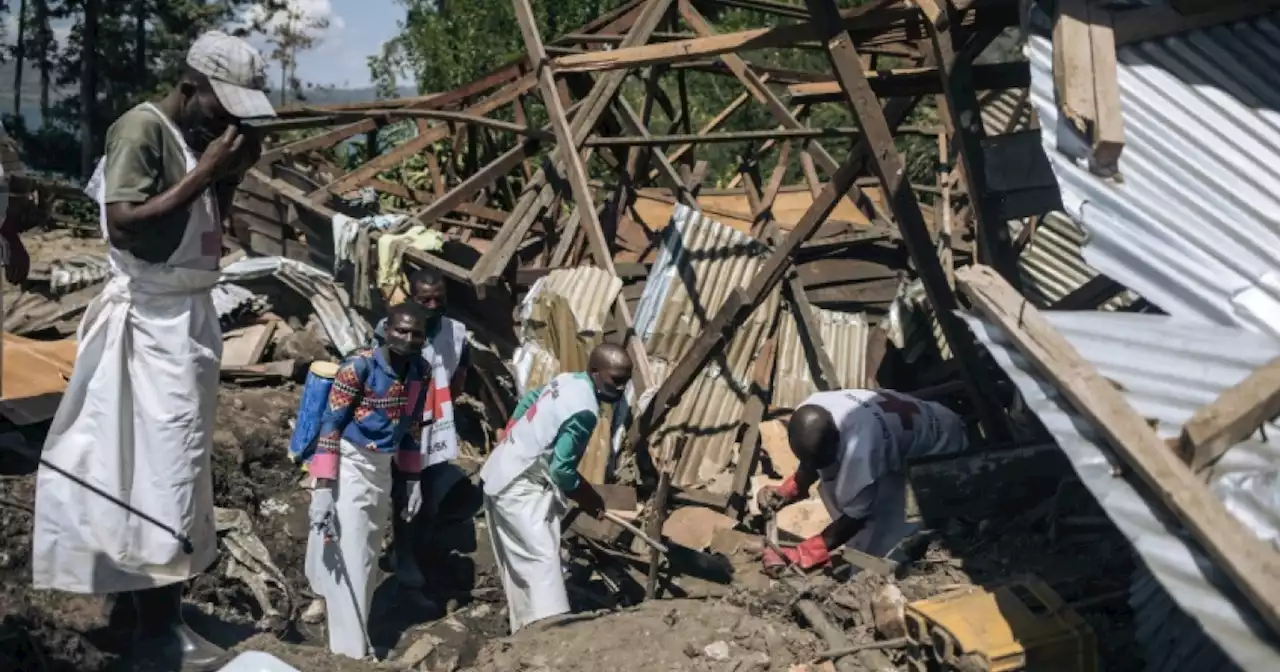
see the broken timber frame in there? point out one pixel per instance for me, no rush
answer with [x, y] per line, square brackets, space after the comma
[889, 168]
[1252, 565]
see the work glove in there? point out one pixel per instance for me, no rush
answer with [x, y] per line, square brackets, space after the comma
[809, 555]
[323, 512]
[588, 499]
[771, 499]
[414, 502]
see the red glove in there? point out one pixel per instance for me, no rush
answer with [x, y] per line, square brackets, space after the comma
[810, 554]
[788, 488]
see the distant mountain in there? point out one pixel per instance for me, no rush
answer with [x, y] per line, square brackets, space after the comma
[316, 95]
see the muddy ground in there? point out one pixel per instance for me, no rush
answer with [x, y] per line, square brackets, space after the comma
[460, 621]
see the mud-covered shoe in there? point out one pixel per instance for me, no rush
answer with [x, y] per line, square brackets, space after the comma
[314, 613]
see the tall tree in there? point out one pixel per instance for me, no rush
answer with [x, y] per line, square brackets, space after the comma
[293, 31]
[88, 87]
[20, 53]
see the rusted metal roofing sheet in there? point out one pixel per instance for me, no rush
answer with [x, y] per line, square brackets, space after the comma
[700, 261]
[844, 337]
[590, 292]
[1194, 226]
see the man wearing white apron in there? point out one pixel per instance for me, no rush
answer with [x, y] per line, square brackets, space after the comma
[531, 472]
[374, 417]
[855, 444]
[418, 509]
[137, 417]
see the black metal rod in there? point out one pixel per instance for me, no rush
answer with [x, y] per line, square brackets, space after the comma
[184, 540]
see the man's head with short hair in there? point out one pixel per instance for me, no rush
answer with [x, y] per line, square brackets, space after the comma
[814, 436]
[406, 330]
[609, 368]
[427, 289]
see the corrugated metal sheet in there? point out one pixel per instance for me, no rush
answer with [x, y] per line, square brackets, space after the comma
[590, 292]
[1007, 111]
[1194, 226]
[1168, 368]
[346, 329]
[1052, 264]
[844, 337]
[700, 261]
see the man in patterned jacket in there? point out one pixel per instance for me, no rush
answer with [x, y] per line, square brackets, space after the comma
[374, 418]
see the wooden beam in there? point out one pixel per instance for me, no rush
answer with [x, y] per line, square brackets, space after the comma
[1073, 64]
[756, 85]
[1232, 417]
[577, 175]
[443, 115]
[868, 27]
[648, 140]
[1107, 139]
[965, 119]
[538, 192]
[916, 82]
[888, 166]
[469, 187]
[1252, 565]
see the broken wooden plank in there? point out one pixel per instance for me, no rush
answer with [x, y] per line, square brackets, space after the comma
[577, 175]
[1254, 566]
[1108, 128]
[916, 82]
[1073, 64]
[244, 346]
[1232, 417]
[888, 166]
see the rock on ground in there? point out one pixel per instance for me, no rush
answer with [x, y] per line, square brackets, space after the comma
[661, 635]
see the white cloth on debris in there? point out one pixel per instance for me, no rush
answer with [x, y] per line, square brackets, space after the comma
[880, 430]
[524, 529]
[346, 228]
[345, 571]
[137, 421]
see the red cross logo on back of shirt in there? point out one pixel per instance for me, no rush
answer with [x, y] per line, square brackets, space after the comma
[905, 409]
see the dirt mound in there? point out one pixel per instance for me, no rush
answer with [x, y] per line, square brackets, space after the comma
[664, 635]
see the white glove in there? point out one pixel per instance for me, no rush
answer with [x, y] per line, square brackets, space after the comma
[323, 511]
[415, 500]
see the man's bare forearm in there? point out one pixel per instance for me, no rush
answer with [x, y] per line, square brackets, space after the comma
[124, 216]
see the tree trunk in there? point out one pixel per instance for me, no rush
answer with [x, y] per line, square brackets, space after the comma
[21, 55]
[284, 80]
[140, 43]
[42, 25]
[88, 88]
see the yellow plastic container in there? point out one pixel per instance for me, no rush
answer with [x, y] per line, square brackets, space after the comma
[1021, 625]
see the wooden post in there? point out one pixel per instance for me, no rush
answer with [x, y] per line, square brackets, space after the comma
[1253, 565]
[577, 176]
[892, 174]
[658, 515]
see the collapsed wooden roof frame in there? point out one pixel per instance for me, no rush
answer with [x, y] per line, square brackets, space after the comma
[885, 26]
[943, 37]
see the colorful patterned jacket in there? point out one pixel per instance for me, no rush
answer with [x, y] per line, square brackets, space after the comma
[371, 407]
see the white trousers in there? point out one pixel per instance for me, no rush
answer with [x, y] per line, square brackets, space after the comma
[524, 528]
[344, 571]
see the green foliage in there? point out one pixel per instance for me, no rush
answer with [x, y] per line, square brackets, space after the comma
[444, 44]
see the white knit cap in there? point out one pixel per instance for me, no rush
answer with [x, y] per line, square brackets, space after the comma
[236, 71]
